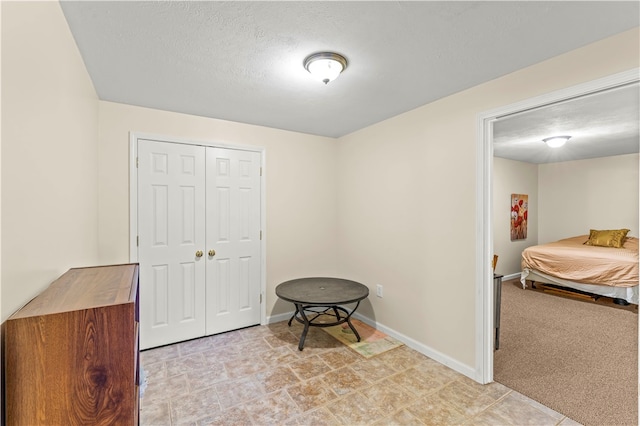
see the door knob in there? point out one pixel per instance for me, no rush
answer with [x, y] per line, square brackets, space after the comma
[199, 253]
[212, 252]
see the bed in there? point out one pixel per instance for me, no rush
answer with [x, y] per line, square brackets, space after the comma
[571, 262]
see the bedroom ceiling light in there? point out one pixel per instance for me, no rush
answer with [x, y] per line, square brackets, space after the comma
[325, 66]
[556, 141]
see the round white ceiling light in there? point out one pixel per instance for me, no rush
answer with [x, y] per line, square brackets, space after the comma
[325, 66]
[556, 141]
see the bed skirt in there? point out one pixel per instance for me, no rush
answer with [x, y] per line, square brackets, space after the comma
[630, 294]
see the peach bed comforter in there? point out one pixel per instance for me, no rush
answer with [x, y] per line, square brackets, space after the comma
[571, 260]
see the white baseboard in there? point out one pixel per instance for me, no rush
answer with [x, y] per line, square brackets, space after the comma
[423, 349]
[511, 276]
[280, 317]
[413, 344]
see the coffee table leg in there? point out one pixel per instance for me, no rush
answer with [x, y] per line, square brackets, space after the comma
[353, 329]
[306, 327]
[349, 321]
[337, 313]
[294, 314]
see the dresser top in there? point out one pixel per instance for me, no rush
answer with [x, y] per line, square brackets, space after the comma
[83, 288]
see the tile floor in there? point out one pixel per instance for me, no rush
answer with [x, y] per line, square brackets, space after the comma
[257, 376]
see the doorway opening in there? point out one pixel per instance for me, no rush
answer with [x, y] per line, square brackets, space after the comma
[484, 214]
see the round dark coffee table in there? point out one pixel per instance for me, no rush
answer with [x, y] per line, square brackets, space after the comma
[317, 298]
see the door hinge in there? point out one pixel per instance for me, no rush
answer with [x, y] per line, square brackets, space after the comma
[260, 298]
[260, 171]
[137, 162]
[137, 241]
[260, 235]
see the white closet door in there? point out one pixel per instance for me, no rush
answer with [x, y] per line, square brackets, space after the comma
[171, 230]
[233, 231]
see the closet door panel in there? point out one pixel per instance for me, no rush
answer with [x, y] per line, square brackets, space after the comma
[233, 232]
[171, 242]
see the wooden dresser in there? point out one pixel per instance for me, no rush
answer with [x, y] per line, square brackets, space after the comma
[71, 354]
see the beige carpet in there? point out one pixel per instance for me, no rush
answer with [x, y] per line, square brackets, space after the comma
[577, 357]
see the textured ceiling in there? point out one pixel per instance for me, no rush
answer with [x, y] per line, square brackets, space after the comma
[242, 61]
[600, 125]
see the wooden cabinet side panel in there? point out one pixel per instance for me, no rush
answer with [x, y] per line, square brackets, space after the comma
[73, 368]
[25, 356]
[99, 371]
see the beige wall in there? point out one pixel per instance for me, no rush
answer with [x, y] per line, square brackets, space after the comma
[576, 196]
[49, 152]
[513, 177]
[407, 206]
[300, 178]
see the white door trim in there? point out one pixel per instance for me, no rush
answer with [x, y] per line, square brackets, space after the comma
[484, 203]
[133, 199]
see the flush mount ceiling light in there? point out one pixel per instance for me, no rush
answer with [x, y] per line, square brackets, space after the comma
[556, 141]
[325, 66]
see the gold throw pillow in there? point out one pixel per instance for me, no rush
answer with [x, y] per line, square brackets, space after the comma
[607, 238]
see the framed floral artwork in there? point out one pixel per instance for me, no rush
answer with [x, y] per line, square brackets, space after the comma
[519, 216]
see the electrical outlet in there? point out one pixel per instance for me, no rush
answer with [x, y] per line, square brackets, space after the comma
[379, 290]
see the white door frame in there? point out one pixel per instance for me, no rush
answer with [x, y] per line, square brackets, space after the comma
[133, 199]
[484, 203]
